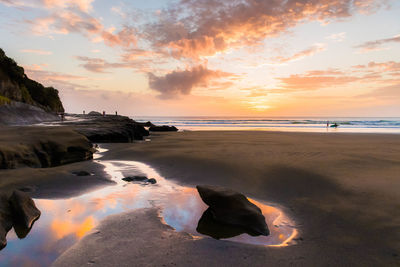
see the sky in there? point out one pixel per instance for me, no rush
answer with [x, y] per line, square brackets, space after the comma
[211, 57]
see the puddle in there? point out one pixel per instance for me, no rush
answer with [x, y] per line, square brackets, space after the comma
[64, 221]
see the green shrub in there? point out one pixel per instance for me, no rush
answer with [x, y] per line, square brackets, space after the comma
[32, 92]
[4, 100]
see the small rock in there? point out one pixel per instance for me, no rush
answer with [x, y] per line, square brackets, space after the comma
[163, 128]
[81, 173]
[151, 180]
[136, 178]
[28, 189]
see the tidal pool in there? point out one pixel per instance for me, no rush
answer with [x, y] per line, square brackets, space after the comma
[65, 221]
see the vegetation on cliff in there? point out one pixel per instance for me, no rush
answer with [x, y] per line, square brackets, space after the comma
[16, 86]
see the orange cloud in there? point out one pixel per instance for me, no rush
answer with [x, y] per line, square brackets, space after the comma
[73, 21]
[208, 27]
[62, 228]
[386, 66]
[374, 72]
[83, 5]
[302, 54]
[300, 82]
[391, 92]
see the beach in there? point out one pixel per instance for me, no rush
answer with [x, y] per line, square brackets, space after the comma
[200, 133]
[340, 189]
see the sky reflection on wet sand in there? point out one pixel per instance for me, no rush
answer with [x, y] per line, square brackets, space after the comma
[64, 221]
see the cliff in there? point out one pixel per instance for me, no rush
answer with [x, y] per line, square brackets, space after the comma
[16, 86]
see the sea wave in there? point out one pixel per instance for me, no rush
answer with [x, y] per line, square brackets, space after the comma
[199, 123]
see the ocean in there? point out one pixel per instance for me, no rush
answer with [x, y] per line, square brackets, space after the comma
[292, 124]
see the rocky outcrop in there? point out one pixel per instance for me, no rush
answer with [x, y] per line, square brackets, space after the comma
[163, 128]
[18, 211]
[94, 113]
[42, 147]
[18, 113]
[16, 86]
[232, 208]
[111, 129]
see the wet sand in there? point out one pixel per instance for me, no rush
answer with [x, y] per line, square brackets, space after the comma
[342, 190]
[55, 183]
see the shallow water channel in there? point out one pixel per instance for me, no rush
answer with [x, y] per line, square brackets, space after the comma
[65, 221]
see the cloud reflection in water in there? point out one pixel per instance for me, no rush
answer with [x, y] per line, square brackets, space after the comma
[65, 221]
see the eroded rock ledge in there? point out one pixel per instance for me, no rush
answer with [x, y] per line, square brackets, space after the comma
[42, 147]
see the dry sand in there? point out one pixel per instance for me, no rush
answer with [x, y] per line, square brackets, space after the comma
[341, 189]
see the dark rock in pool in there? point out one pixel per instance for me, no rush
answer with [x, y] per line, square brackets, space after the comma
[232, 208]
[151, 181]
[136, 178]
[163, 128]
[23, 209]
[81, 173]
[207, 225]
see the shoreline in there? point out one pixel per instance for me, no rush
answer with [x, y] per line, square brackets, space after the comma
[317, 130]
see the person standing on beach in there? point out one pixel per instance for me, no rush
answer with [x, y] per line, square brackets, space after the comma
[327, 124]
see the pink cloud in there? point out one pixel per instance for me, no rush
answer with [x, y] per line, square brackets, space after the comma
[182, 82]
[377, 44]
[100, 65]
[36, 51]
[61, 81]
